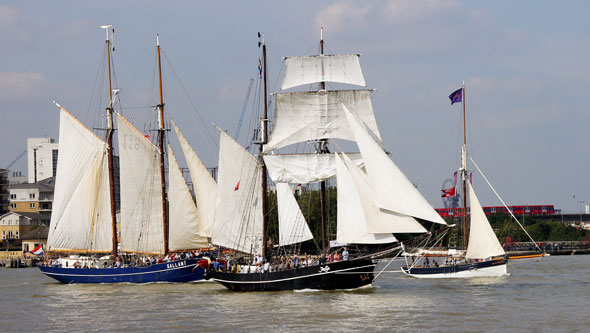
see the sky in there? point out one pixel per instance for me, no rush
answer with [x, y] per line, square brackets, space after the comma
[524, 64]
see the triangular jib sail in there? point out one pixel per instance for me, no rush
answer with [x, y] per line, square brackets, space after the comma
[483, 242]
[238, 213]
[184, 219]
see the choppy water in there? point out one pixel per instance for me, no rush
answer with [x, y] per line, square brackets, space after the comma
[550, 295]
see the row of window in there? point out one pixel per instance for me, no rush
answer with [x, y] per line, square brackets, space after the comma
[31, 205]
[11, 235]
[31, 196]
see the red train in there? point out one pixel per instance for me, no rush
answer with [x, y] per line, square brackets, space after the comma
[516, 210]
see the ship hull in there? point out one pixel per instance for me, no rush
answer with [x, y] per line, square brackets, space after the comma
[491, 268]
[332, 276]
[185, 270]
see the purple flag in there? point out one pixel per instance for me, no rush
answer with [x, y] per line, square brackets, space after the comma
[456, 96]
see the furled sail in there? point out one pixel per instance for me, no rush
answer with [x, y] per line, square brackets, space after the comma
[204, 185]
[238, 214]
[81, 218]
[379, 220]
[351, 221]
[183, 230]
[292, 226]
[392, 189]
[303, 168]
[304, 116]
[483, 242]
[343, 68]
[141, 196]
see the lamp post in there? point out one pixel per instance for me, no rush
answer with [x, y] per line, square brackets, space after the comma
[581, 203]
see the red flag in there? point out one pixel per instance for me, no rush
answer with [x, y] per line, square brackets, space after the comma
[448, 192]
[147, 136]
[237, 186]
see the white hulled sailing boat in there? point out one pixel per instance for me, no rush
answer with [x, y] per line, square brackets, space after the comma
[375, 199]
[484, 255]
[83, 220]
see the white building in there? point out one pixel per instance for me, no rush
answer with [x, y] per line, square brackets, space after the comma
[42, 158]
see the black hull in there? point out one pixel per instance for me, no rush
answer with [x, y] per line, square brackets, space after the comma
[454, 269]
[337, 275]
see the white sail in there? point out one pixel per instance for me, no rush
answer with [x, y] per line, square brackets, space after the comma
[292, 226]
[204, 186]
[483, 242]
[343, 68]
[393, 190]
[304, 116]
[141, 191]
[351, 221]
[303, 168]
[81, 218]
[379, 220]
[238, 214]
[183, 226]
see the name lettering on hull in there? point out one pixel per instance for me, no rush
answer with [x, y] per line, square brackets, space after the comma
[176, 264]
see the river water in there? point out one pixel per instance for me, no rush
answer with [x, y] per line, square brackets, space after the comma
[547, 295]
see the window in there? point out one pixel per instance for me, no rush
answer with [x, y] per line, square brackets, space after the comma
[10, 234]
[13, 206]
[32, 205]
[3, 234]
[26, 247]
[9, 222]
[12, 196]
[31, 195]
[16, 234]
[54, 160]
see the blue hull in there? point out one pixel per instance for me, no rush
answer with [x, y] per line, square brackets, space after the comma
[185, 270]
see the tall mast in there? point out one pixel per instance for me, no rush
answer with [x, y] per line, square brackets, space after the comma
[265, 215]
[109, 139]
[161, 131]
[322, 148]
[464, 169]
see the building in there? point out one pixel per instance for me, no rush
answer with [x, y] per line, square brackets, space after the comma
[13, 225]
[16, 177]
[30, 240]
[4, 193]
[41, 158]
[33, 198]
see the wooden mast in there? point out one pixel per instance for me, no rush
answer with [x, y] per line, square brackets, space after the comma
[322, 149]
[464, 170]
[109, 139]
[265, 215]
[161, 132]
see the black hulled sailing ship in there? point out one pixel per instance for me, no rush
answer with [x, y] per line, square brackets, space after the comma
[375, 199]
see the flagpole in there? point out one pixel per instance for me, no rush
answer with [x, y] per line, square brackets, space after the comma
[464, 169]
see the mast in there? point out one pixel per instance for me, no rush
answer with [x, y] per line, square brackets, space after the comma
[322, 149]
[464, 169]
[109, 139]
[161, 131]
[265, 215]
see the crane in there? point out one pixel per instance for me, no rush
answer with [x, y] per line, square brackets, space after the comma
[15, 160]
[244, 106]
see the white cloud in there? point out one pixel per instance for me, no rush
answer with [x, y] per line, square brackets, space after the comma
[15, 86]
[8, 15]
[342, 15]
[414, 10]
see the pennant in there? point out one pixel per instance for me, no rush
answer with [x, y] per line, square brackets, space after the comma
[237, 186]
[147, 136]
[456, 96]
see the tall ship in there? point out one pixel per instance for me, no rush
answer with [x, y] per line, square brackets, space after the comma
[375, 199]
[153, 221]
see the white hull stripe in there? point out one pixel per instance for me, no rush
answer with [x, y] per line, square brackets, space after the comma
[123, 274]
[492, 271]
[297, 277]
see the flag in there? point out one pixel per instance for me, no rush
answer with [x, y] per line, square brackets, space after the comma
[260, 67]
[448, 192]
[237, 186]
[38, 250]
[456, 96]
[147, 136]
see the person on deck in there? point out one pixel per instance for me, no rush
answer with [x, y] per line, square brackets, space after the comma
[345, 254]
